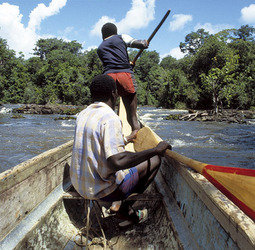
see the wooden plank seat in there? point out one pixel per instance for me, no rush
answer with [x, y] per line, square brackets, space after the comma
[132, 197]
[71, 194]
[100, 211]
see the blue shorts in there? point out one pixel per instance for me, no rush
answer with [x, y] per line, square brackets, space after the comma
[125, 188]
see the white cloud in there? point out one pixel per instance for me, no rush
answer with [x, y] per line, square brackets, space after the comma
[68, 30]
[248, 14]
[19, 37]
[96, 31]
[175, 52]
[41, 12]
[212, 29]
[139, 16]
[179, 21]
[91, 47]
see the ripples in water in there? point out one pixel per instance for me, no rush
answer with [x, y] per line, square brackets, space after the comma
[211, 142]
[214, 143]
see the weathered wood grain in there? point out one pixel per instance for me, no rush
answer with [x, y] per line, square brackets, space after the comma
[240, 227]
[22, 171]
[28, 184]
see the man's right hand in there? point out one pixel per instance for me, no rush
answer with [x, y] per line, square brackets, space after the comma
[147, 44]
[162, 147]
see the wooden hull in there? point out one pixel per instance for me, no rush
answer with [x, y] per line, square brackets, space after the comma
[44, 220]
[194, 213]
[237, 184]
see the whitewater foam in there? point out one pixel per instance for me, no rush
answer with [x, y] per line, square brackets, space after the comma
[179, 143]
[66, 124]
[211, 140]
[5, 110]
[147, 117]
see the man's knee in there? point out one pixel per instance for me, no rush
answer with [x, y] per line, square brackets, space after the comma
[146, 168]
[155, 161]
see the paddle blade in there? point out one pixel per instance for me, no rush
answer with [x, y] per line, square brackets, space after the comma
[147, 139]
[237, 184]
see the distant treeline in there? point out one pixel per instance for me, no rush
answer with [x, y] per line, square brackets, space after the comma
[217, 71]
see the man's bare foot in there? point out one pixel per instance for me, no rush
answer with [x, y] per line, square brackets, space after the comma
[115, 206]
[131, 137]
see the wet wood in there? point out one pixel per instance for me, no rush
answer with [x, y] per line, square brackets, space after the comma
[26, 185]
[125, 125]
[228, 215]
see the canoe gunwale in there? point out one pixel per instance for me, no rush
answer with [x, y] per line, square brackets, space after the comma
[174, 213]
[50, 165]
[17, 174]
[20, 233]
[227, 215]
[240, 227]
[28, 184]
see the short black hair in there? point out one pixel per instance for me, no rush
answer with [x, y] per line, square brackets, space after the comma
[102, 87]
[108, 29]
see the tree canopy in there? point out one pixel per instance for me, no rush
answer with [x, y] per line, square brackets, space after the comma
[217, 71]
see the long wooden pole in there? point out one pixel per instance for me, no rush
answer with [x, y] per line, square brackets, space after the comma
[152, 35]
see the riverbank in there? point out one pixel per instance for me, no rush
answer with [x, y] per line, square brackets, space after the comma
[227, 115]
[48, 109]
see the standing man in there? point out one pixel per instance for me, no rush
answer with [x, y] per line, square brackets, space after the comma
[101, 168]
[114, 56]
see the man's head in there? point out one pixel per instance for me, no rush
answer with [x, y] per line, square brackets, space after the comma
[103, 88]
[108, 29]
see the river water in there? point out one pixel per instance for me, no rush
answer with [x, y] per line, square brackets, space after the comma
[213, 143]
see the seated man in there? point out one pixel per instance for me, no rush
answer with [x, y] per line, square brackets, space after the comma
[101, 168]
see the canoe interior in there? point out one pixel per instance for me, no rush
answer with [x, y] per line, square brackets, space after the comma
[192, 214]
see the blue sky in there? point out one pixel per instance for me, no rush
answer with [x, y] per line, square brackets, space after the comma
[23, 22]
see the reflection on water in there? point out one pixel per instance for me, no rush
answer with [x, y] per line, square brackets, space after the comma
[215, 143]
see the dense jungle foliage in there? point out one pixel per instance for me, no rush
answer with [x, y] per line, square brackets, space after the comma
[217, 71]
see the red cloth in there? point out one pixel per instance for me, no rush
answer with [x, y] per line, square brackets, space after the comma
[125, 83]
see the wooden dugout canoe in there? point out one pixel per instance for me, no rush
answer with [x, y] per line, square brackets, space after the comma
[237, 184]
[194, 213]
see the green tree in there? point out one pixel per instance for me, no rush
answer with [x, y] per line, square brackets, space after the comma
[193, 41]
[227, 35]
[220, 82]
[218, 70]
[14, 76]
[91, 64]
[7, 58]
[245, 33]
[62, 71]
[169, 63]
[178, 91]
[245, 72]
[148, 77]
[45, 46]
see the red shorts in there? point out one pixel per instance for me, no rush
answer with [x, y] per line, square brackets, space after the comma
[125, 83]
